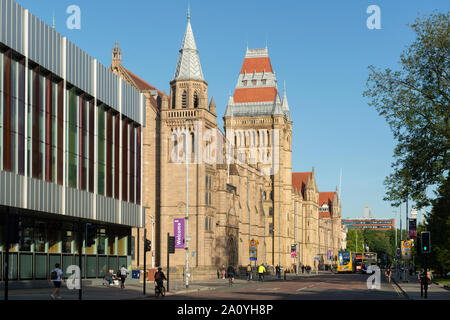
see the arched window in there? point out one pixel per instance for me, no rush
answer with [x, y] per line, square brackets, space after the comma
[195, 100]
[184, 99]
[192, 142]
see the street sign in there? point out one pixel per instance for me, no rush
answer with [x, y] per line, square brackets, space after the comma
[253, 253]
[406, 250]
[253, 243]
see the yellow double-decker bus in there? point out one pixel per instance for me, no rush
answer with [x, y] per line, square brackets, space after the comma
[346, 262]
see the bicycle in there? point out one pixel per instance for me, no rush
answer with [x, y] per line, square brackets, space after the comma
[230, 280]
[160, 290]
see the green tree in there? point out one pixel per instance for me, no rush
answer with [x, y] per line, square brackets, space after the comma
[438, 223]
[415, 103]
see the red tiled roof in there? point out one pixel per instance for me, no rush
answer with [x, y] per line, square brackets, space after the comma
[255, 94]
[257, 65]
[324, 215]
[142, 85]
[326, 198]
[299, 181]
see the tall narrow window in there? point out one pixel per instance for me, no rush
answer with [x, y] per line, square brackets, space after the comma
[36, 167]
[195, 100]
[83, 131]
[73, 139]
[109, 150]
[101, 150]
[91, 107]
[60, 135]
[116, 155]
[125, 151]
[173, 98]
[184, 99]
[48, 124]
[21, 117]
[132, 157]
[138, 165]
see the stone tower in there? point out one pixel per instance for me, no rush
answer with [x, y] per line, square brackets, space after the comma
[187, 109]
[259, 126]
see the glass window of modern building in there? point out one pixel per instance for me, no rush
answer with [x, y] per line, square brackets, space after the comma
[70, 152]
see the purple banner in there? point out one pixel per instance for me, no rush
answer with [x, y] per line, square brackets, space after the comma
[178, 231]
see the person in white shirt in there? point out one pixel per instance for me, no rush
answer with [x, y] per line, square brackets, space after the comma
[123, 276]
[56, 276]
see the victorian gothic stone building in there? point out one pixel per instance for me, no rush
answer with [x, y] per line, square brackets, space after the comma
[234, 185]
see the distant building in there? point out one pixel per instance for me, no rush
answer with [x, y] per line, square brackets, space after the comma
[369, 223]
[366, 212]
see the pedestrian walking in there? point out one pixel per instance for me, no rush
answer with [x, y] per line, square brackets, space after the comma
[303, 268]
[261, 271]
[278, 271]
[56, 276]
[123, 275]
[223, 271]
[424, 279]
[249, 272]
[388, 274]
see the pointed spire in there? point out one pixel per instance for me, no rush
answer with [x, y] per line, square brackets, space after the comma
[285, 105]
[212, 106]
[188, 66]
[53, 21]
[189, 12]
[277, 105]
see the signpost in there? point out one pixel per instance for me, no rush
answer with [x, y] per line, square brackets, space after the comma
[253, 250]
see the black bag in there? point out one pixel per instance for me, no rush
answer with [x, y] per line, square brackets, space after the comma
[54, 275]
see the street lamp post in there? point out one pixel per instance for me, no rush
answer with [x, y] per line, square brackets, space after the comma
[187, 204]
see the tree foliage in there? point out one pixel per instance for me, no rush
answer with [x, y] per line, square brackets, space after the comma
[415, 104]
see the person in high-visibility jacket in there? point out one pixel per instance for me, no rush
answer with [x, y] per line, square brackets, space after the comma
[261, 271]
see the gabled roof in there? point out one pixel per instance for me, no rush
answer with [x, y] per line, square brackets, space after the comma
[326, 198]
[299, 181]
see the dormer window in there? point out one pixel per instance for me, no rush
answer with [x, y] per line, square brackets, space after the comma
[264, 81]
[244, 83]
[254, 82]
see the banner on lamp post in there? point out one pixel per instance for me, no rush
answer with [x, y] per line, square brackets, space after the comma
[178, 226]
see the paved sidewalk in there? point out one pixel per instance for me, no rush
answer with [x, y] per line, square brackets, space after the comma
[94, 290]
[411, 289]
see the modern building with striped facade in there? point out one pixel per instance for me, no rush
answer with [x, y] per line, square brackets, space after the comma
[70, 152]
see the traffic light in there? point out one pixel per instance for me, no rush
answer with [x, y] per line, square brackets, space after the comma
[147, 245]
[426, 242]
[91, 233]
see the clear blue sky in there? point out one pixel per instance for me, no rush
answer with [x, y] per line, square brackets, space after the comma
[320, 48]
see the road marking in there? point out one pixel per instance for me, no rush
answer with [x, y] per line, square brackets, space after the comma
[267, 289]
[305, 287]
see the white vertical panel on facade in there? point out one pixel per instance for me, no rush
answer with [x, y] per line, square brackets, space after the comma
[11, 25]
